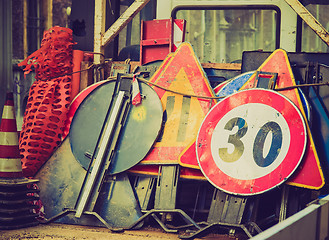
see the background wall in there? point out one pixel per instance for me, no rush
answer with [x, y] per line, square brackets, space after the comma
[5, 49]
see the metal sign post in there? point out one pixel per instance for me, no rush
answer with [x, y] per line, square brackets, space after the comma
[106, 145]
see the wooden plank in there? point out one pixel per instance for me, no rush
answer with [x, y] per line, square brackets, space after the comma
[86, 77]
[221, 66]
[25, 48]
[308, 18]
[99, 29]
[47, 11]
[133, 65]
[122, 21]
[224, 66]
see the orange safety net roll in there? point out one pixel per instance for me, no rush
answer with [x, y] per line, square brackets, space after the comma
[49, 98]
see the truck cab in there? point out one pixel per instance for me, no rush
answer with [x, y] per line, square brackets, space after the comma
[220, 31]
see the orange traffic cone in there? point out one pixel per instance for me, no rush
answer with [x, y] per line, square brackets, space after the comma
[16, 193]
[10, 161]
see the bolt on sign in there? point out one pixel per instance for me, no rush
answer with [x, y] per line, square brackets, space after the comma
[309, 174]
[183, 114]
[247, 143]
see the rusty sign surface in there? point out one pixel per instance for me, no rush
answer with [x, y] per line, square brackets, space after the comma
[183, 113]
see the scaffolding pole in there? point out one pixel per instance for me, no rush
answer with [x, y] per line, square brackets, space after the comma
[308, 18]
[102, 37]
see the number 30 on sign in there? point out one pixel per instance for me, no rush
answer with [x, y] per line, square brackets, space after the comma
[251, 142]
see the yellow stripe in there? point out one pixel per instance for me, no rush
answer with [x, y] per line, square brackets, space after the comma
[10, 165]
[8, 112]
[8, 138]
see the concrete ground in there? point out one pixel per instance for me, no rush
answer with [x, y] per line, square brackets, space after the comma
[73, 232]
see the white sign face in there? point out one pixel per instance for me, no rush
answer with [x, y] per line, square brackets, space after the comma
[250, 141]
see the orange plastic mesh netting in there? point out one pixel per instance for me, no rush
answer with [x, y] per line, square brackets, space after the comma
[49, 98]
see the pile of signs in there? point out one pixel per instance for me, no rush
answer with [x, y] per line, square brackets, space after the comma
[187, 153]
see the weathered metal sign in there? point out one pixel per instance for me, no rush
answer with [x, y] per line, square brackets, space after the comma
[234, 84]
[309, 174]
[188, 156]
[75, 105]
[143, 122]
[180, 72]
[251, 142]
[221, 85]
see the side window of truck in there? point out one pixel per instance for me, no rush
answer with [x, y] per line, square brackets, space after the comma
[221, 35]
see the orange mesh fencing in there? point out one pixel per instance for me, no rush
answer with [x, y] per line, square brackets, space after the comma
[49, 98]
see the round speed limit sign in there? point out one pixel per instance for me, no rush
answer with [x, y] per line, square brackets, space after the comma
[251, 142]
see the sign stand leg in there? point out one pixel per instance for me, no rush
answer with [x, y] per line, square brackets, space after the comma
[165, 198]
[166, 189]
[144, 187]
[293, 200]
[284, 202]
[226, 211]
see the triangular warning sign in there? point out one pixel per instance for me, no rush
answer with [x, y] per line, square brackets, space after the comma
[309, 174]
[188, 157]
[163, 65]
[184, 80]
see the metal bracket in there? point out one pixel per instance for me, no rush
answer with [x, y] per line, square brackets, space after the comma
[153, 213]
[119, 68]
[266, 80]
[166, 189]
[165, 198]
[144, 187]
[231, 208]
[68, 211]
[105, 147]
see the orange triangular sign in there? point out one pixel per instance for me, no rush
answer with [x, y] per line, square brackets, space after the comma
[309, 174]
[188, 157]
[183, 78]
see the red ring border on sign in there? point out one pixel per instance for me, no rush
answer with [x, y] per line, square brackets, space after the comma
[279, 175]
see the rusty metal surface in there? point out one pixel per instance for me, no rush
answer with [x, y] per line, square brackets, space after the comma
[60, 180]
